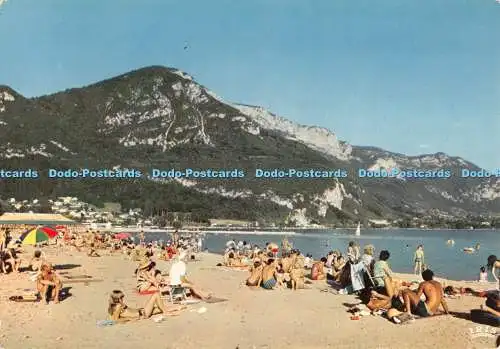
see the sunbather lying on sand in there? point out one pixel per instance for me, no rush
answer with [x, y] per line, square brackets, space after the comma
[434, 294]
[48, 283]
[119, 311]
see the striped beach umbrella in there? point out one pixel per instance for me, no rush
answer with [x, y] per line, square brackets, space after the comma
[34, 236]
[37, 235]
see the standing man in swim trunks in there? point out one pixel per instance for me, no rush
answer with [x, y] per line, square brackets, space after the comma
[418, 259]
[434, 296]
[269, 277]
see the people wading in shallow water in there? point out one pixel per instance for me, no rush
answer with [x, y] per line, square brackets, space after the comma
[418, 259]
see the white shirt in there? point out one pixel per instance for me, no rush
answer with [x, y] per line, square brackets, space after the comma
[177, 272]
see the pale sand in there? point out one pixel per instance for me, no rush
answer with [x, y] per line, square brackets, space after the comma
[250, 319]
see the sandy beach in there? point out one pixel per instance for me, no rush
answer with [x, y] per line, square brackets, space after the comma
[248, 319]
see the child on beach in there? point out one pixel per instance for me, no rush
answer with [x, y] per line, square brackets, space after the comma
[483, 275]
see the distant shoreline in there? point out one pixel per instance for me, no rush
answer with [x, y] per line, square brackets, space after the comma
[265, 231]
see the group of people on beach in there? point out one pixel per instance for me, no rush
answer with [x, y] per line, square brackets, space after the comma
[48, 283]
[354, 272]
[173, 285]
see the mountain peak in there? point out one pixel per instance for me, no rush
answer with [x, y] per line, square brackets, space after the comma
[7, 95]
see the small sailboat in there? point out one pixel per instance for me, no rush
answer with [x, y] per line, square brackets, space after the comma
[450, 242]
[358, 229]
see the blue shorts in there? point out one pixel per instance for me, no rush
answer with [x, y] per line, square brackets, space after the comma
[421, 310]
[269, 284]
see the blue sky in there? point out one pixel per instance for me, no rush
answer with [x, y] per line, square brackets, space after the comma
[408, 76]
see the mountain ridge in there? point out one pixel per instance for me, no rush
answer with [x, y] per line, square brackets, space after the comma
[160, 116]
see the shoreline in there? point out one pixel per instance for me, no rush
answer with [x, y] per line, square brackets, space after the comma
[291, 231]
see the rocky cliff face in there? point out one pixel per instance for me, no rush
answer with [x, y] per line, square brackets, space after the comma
[159, 117]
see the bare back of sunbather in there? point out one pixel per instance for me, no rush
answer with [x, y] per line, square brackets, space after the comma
[434, 294]
[255, 276]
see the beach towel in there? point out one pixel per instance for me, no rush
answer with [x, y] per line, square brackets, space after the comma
[357, 276]
[23, 299]
[146, 293]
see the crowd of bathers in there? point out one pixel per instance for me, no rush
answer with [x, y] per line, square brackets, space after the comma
[357, 271]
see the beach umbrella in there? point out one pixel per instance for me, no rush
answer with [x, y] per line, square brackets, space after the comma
[51, 233]
[34, 236]
[122, 236]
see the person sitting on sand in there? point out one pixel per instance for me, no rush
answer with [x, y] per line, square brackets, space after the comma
[11, 259]
[338, 265]
[178, 272]
[287, 263]
[269, 277]
[37, 261]
[92, 251]
[353, 253]
[483, 275]
[318, 271]
[48, 283]
[146, 280]
[367, 257]
[119, 311]
[255, 278]
[233, 261]
[297, 272]
[434, 295]
[383, 275]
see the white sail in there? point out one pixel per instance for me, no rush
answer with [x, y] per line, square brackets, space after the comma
[358, 230]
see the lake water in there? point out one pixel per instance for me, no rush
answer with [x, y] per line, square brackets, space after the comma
[446, 261]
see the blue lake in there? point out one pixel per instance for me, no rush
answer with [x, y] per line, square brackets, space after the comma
[446, 261]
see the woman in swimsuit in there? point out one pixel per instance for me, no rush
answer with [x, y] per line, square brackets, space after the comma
[146, 280]
[118, 310]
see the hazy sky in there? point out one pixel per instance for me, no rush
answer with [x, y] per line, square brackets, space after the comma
[409, 76]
